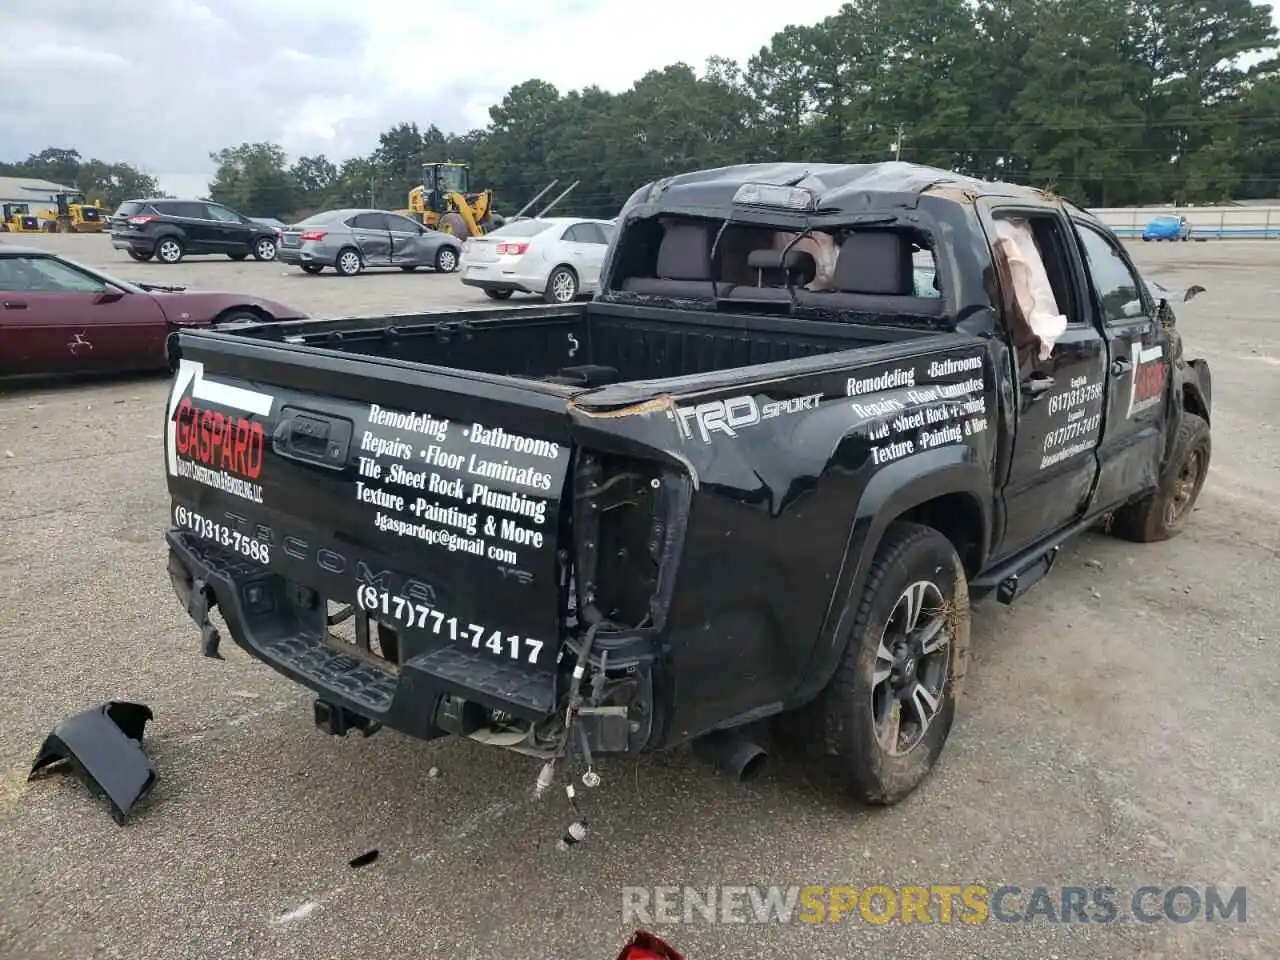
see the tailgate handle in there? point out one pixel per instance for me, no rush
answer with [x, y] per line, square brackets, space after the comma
[311, 437]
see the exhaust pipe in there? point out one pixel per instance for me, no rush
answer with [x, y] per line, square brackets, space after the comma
[732, 753]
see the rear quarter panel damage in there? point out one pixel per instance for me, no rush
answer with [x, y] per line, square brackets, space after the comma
[795, 481]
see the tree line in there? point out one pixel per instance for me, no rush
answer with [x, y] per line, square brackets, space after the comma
[97, 180]
[1107, 102]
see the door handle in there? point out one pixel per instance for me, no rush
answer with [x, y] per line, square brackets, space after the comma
[1121, 365]
[15, 304]
[314, 438]
[1037, 386]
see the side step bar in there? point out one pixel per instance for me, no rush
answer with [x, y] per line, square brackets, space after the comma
[1014, 577]
[1016, 584]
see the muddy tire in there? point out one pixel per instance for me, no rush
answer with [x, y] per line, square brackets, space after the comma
[888, 710]
[452, 223]
[1162, 513]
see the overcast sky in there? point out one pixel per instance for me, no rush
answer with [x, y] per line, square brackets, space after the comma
[161, 83]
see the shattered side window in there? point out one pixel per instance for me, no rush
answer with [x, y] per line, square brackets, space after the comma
[924, 270]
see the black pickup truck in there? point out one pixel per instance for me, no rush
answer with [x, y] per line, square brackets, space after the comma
[813, 412]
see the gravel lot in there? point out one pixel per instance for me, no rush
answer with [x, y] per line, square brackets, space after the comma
[1118, 727]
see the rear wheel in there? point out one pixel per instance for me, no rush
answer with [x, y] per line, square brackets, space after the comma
[562, 286]
[312, 267]
[169, 250]
[264, 250]
[1162, 513]
[140, 257]
[349, 263]
[889, 708]
[498, 294]
[446, 260]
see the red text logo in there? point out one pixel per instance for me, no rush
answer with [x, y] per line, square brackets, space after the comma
[218, 440]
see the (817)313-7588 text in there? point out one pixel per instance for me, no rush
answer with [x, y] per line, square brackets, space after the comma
[422, 617]
[221, 534]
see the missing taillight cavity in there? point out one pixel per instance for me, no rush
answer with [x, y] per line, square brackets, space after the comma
[620, 519]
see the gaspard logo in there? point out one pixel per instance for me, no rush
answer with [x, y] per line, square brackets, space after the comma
[1146, 384]
[191, 374]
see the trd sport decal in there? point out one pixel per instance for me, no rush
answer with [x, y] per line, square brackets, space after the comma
[217, 449]
[1146, 386]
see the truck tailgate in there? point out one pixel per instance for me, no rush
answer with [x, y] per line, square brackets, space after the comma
[436, 508]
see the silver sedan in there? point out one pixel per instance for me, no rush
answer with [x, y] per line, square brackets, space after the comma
[353, 240]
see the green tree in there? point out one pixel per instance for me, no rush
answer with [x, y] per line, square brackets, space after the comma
[254, 179]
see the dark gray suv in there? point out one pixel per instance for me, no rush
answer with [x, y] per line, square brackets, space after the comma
[169, 230]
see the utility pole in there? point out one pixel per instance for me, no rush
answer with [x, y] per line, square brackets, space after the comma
[371, 203]
[897, 145]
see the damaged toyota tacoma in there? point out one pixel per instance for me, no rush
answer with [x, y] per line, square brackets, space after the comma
[814, 411]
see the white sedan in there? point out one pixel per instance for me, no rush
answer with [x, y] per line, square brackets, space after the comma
[557, 258]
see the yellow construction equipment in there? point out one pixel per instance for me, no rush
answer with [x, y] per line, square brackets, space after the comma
[18, 218]
[75, 214]
[445, 201]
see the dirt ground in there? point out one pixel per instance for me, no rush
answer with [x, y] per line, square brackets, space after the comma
[1119, 727]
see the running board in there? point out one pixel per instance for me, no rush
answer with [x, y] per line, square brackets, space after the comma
[1014, 577]
[1016, 584]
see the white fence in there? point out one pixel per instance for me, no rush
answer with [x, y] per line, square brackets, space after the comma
[1207, 223]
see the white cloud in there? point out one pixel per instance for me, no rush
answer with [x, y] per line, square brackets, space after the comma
[165, 82]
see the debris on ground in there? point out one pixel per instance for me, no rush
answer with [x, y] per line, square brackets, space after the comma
[102, 746]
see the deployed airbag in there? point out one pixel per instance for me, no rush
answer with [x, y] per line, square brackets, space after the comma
[1033, 294]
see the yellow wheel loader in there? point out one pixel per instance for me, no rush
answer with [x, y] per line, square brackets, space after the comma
[18, 218]
[445, 202]
[77, 215]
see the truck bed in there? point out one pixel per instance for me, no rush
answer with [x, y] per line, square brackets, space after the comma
[585, 345]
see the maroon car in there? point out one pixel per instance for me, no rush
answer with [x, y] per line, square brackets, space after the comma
[58, 316]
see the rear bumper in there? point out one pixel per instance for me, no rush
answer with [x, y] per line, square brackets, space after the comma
[297, 256]
[493, 277]
[271, 620]
[136, 244]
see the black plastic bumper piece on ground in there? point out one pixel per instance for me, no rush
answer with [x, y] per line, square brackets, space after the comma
[103, 746]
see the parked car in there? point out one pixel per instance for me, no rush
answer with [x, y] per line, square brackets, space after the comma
[353, 240]
[60, 316]
[170, 230]
[557, 258]
[1167, 228]
[721, 491]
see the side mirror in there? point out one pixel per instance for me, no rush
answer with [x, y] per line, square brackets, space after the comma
[109, 295]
